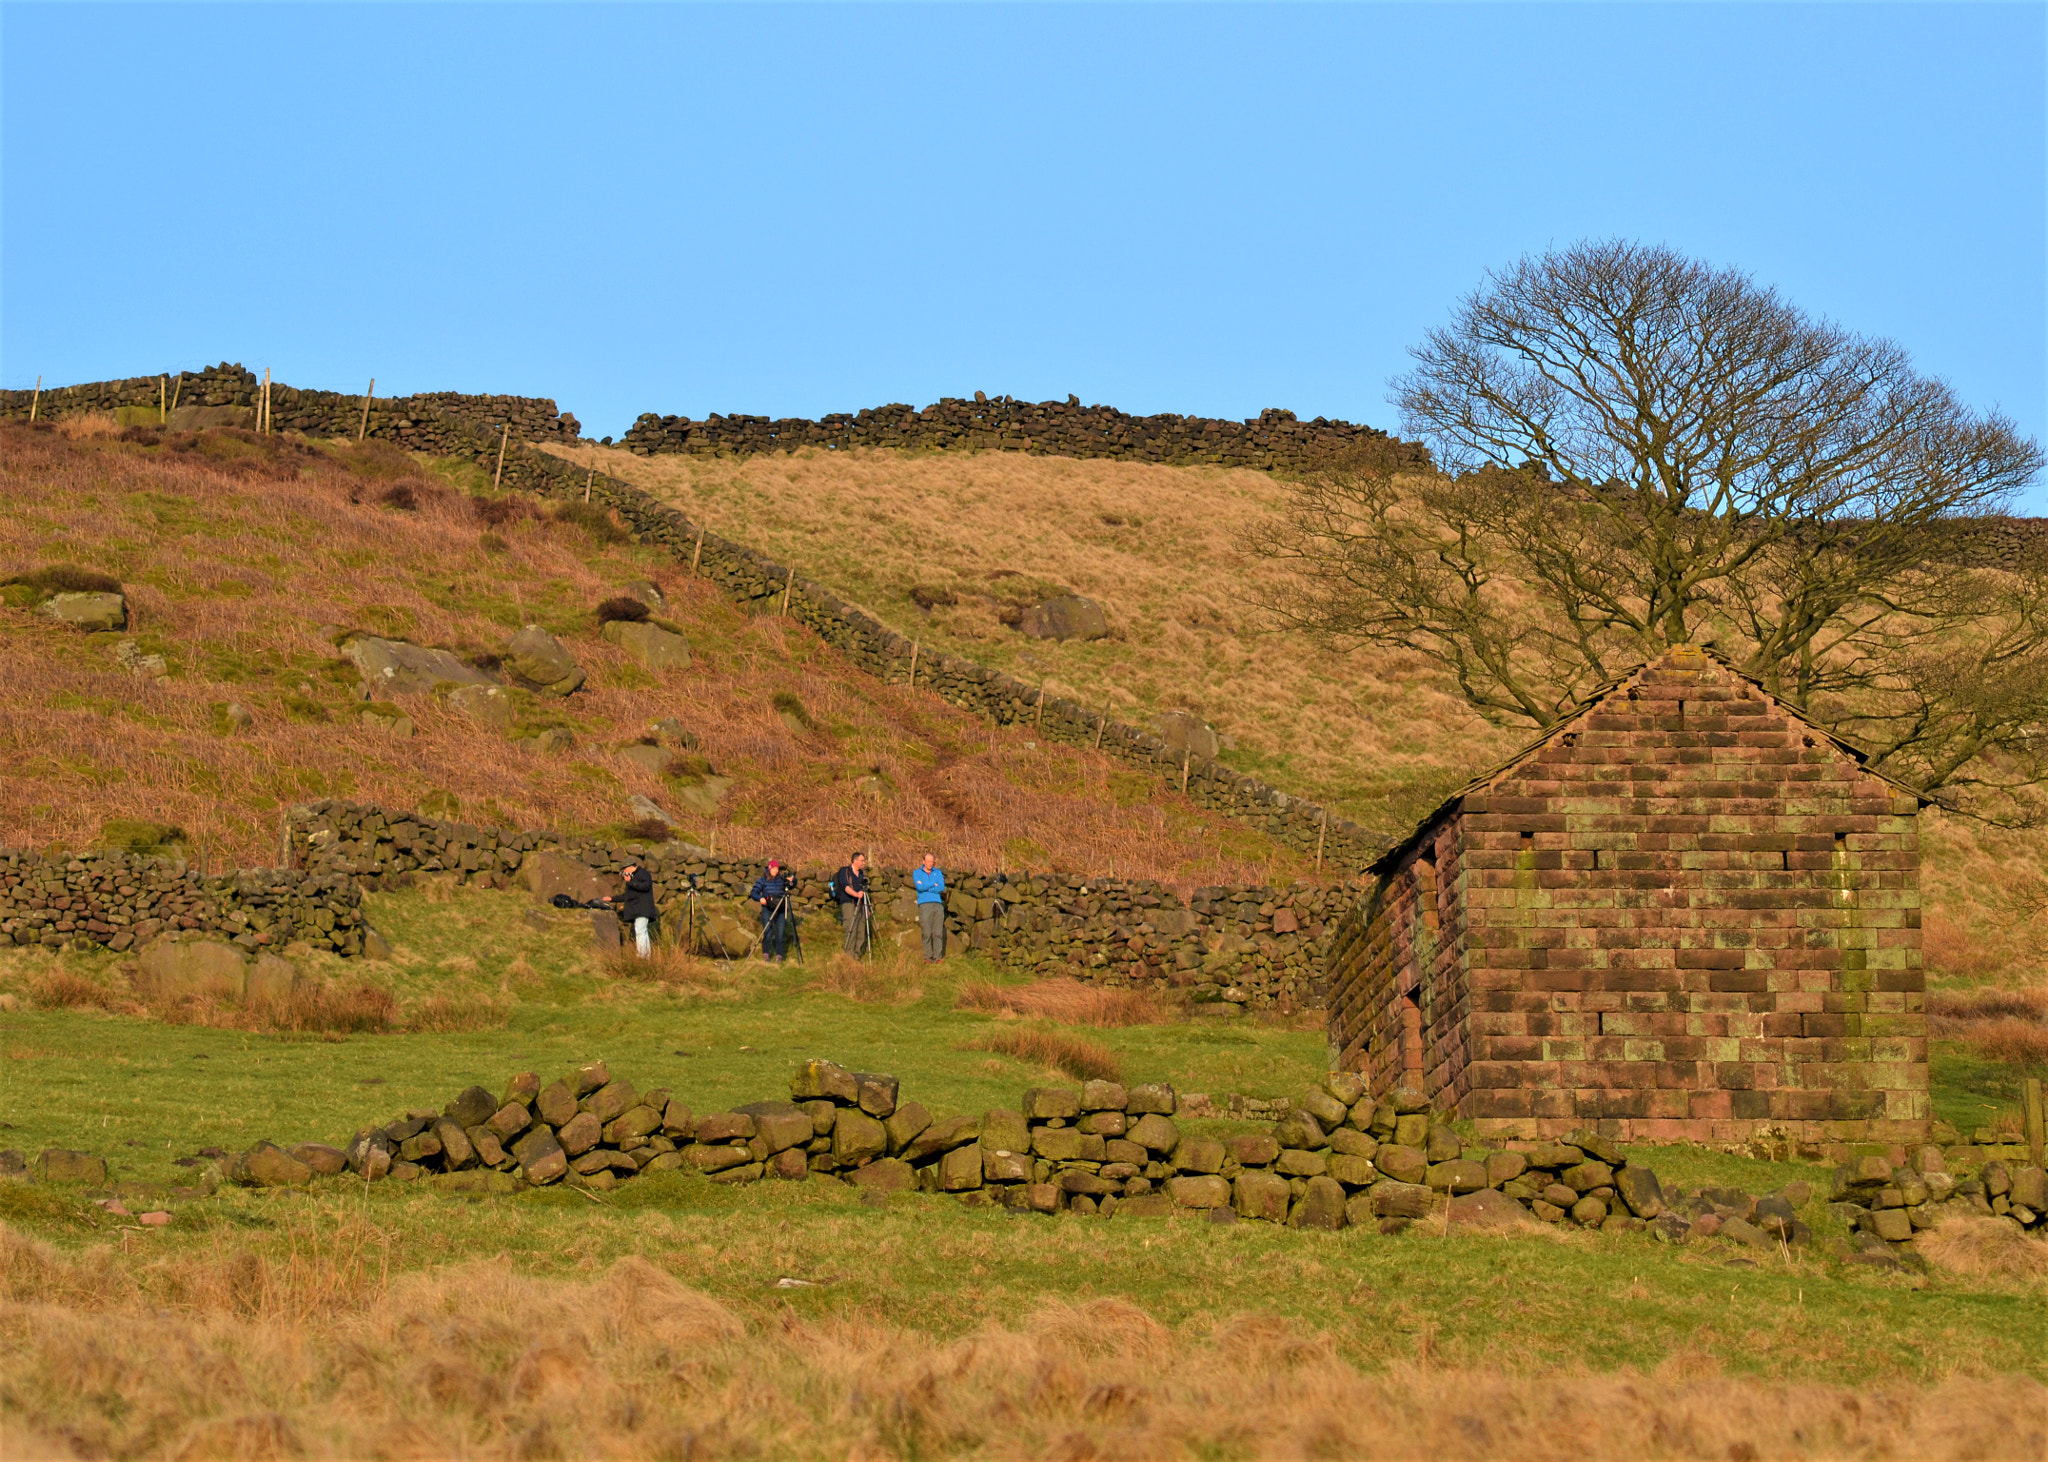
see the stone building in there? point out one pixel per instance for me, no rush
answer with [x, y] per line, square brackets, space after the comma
[1686, 912]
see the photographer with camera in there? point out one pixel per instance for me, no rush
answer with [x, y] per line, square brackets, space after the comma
[771, 891]
[637, 911]
[850, 889]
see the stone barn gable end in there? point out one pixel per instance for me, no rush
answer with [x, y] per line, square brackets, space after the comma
[1686, 913]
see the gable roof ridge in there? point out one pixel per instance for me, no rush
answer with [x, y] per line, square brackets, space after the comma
[1594, 699]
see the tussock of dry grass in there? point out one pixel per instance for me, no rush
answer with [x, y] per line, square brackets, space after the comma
[2003, 1024]
[1077, 1056]
[1064, 1001]
[892, 977]
[1986, 1248]
[678, 971]
[235, 550]
[232, 1355]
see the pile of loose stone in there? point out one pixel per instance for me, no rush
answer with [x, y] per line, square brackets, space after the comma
[1887, 1204]
[1338, 1158]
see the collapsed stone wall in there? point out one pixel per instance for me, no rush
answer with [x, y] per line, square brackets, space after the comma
[1274, 440]
[1228, 948]
[122, 900]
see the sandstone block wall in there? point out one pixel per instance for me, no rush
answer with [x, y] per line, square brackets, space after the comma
[1273, 441]
[120, 900]
[1687, 915]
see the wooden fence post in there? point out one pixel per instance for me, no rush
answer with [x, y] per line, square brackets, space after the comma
[1101, 725]
[1185, 757]
[263, 416]
[1038, 715]
[504, 436]
[35, 400]
[2036, 1121]
[787, 585]
[697, 553]
[163, 398]
[913, 664]
[587, 478]
[177, 390]
[1322, 829]
[363, 427]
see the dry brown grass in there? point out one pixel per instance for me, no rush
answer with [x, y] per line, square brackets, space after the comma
[1986, 1248]
[312, 1008]
[236, 1355]
[944, 547]
[892, 977]
[1064, 1001]
[446, 1014]
[1056, 1050]
[2004, 1024]
[61, 989]
[236, 549]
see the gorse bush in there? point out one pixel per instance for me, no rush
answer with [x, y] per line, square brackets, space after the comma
[621, 609]
[66, 578]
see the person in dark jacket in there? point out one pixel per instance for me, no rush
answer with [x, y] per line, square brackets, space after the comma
[637, 910]
[850, 888]
[771, 891]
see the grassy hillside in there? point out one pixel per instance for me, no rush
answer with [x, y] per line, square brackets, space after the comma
[243, 558]
[939, 545]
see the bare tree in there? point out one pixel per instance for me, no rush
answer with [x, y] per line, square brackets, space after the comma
[1639, 451]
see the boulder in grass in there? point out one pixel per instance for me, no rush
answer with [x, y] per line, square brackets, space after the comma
[612, 1100]
[89, 612]
[393, 667]
[999, 1165]
[649, 645]
[707, 1157]
[788, 1165]
[536, 659]
[1065, 617]
[555, 1103]
[590, 1077]
[322, 1160]
[62, 1165]
[488, 705]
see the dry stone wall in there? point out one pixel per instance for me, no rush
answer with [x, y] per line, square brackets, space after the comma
[1229, 949]
[1275, 440]
[120, 901]
[444, 423]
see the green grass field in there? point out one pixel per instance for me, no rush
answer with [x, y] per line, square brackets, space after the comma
[144, 1093]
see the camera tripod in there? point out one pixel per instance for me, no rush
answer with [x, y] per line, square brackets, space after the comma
[793, 931]
[696, 930]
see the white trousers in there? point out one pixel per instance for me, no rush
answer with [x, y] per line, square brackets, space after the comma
[641, 942]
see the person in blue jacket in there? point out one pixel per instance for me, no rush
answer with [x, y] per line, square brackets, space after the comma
[771, 891]
[930, 882]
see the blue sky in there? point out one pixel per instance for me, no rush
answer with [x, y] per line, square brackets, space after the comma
[793, 210]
